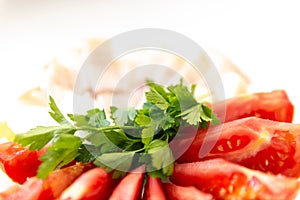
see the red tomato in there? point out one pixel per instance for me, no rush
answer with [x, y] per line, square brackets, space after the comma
[58, 180]
[256, 143]
[95, 184]
[154, 189]
[176, 192]
[18, 162]
[272, 105]
[51, 187]
[130, 187]
[226, 180]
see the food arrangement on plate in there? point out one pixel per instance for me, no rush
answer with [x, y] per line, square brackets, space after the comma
[152, 152]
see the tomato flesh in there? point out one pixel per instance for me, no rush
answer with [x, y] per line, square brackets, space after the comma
[176, 192]
[130, 187]
[256, 143]
[95, 184]
[51, 187]
[58, 180]
[154, 189]
[227, 180]
[273, 105]
[18, 162]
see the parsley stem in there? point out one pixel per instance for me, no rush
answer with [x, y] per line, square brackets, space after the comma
[89, 128]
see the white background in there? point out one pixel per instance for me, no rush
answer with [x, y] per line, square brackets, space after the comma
[260, 37]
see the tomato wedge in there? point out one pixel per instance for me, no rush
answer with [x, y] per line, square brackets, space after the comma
[130, 187]
[176, 192]
[225, 180]
[273, 105]
[57, 181]
[95, 184]
[154, 189]
[256, 143]
[18, 162]
[51, 187]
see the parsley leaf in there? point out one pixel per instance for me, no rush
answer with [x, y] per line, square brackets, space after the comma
[159, 158]
[142, 119]
[148, 133]
[157, 95]
[94, 118]
[119, 161]
[213, 117]
[56, 114]
[184, 97]
[122, 116]
[38, 137]
[62, 151]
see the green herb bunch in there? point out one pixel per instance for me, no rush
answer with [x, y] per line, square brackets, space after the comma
[135, 136]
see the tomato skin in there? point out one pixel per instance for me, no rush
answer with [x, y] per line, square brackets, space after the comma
[58, 180]
[130, 187]
[50, 188]
[176, 192]
[154, 189]
[95, 184]
[227, 180]
[273, 105]
[18, 162]
[256, 143]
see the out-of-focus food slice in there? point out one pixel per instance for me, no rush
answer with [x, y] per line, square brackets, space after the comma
[6, 132]
[30, 190]
[154, 189]
[235, 81]
[273, 105]
[60, 74]
[35, 96]
[226, 180]
[130, 187]
[9, 191]
[176, 192]
[18, 162]
[256, 143]
[95, 184]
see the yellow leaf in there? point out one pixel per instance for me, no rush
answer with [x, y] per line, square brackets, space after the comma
[5, 131]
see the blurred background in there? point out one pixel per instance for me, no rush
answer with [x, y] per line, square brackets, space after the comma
[261, 38]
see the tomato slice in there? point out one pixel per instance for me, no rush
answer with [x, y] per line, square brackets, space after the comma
[256, 143]
[51, 187]
[18, 162]
[58, 180]
[154, 189]
[227, 180]
[95, 184]
[130, 187]
[273, 105]
[176, 192]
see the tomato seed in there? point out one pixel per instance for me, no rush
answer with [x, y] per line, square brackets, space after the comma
[229, 144]
[238, 142]
[220, 148]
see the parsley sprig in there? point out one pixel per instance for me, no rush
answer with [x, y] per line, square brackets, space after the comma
[135, 136]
